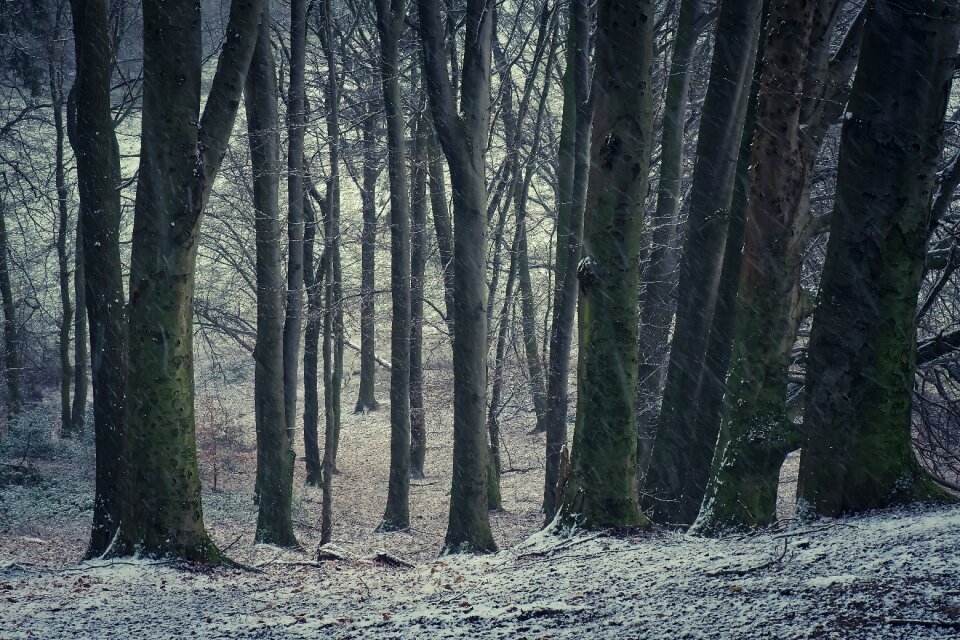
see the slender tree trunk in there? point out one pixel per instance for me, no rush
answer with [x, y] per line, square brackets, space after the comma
[275, 456]
[857, 451]
[680, 460]
[574, 163]
[463, 135]
[366, 400]
[602, 489]
[443, 227]
[63, 262]
[656, 304]
[418, 260]
[11, 346]
[98, 168]
[180, 157]
[78, 413]
[313, 284]
[390, 20]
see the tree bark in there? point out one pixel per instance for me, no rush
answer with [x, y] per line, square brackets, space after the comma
[11, 345]
[602, 488]
[181, 154]
[857, 452]
[366, 400]
[63, 262]
[418, 260]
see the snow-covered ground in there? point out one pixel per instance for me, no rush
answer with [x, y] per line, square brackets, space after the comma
[890, 575]
[887, 575]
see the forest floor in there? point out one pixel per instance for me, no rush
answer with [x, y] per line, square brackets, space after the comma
[886, 575]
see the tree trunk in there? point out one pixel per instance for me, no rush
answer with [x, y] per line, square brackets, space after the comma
[63, 263]
[441, 223]
[756, 434]
[656, 304]
[313, 284]
[11, 346]
[574, 163]
[78, 413]
[680, 458]
[275, 456]
[857, 451]
[602, 489]
[179, 160]
[418, 259]
[390, 20]
[463, 136]
[366, 400]
[98, 168]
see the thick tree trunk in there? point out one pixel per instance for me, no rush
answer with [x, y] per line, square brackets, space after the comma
[755, 434]
[98, 167]
[275, 455]
[366, 400]
[656, 304]
[857, 450]
[574, 163]
[680, 459]
[179, 161]
[463, 136]
[602, 488]
[390, 20]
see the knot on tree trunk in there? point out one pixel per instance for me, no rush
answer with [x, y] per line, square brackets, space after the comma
[587, 274]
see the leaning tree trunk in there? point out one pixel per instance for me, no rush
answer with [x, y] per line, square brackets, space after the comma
[390, 20]
[180, 156]
[602, 488]
[574, 162]
[656, 306]
[463, 136]
[857, 451]
[98, 168]
[275, 456]
[680, 459]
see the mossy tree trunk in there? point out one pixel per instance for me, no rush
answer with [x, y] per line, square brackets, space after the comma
[98, 167]
[602, 489]
[857, 451]
[573, 165]
[275, 456]
[680, 459]
[390, 20]
[180, 156]
[755, 433]
[463, 136]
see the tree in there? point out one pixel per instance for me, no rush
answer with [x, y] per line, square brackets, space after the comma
[11, 345]
[463, 136]
[857, 452]
[98, 169]
[602, 489]
[573, 164]
[181, 154]
[656, 304]
[275, 456]
[366, 395]
[680, 459]
[390, 20]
